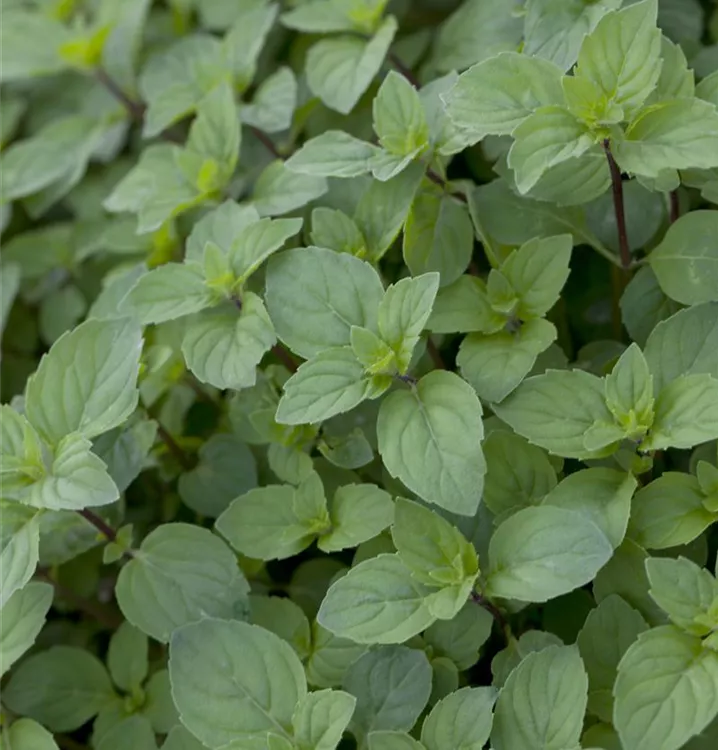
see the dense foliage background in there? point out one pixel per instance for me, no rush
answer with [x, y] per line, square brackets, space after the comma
[360, 374]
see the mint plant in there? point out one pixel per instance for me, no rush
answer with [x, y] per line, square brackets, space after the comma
[359, 375]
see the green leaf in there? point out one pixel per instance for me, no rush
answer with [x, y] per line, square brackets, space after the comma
[666, 691]
[621, 56]
[22, 459]
[496, 364]
[234, 682]
[226, 469]
[540, 553]
[537, 272]
[284, 618]
[498, 94]
[506, 660]
[223, 346]
[463, 307]
[333, 153]
[392, 741]
[677, 81]
[278, 190]
[267, 523]
[179, 574]
[555, 29]
[608, 632]
[168, 292]
[460, 639]
[319, 16]
[330, 657]
[476, 31]
[335, 230]
[399, 117]
[23, 617]
[686, 413]
[438, 236]
[518, 474]
[26, 734]
[543, 702]
[19, 548]
[125, 450]
[180, 738]
[629, 392]
[644, 306]
[328, 384]
[87, 381]
[602, 495]
[175, 81]
[76, 479]
[273, 103]
[707, 89]
[132, 733]
[378, 601]
[435, 551]
[669, 511]
[684, 344]
[686, 262]
[321, 717]
[555, 410]
[403, 312]
[684, 591]
[315, 296]
[127, 657]
[392, 686]
[245, 40]
[221, 226]
[62, 688]
[430, 439]
[546, 138]
[461, 721]
[340, 69]
[155, 189]
[675, 134]
[159, 707]
[358, 512]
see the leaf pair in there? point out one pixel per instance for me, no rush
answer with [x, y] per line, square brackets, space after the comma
[229, 331]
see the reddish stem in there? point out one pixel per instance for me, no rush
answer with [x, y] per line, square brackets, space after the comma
[618, 206]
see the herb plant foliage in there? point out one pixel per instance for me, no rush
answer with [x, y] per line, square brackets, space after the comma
[360, 375]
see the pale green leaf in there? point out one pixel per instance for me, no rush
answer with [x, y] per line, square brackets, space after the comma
[179, 574]
[19, 545]
[542, 703]
[540, 553]
[460, 639]
[555, 410]
[622, 54]
[392, 686]
[87, 381]
[677, 80]
[403, 312]
[62, 688]
[644, 306]
[463, 307]
[387, 740]
[546, 138]
[263, 524]
[496, 364]
[686, 413]
[629, 391]
[283, 617]
[666, 691]
[438, 236]
[333, 153]
[686, 261]
[23, 616]
[321, 717]
[133, 733]
[335, 230]
[223, 346]
[499, 93]
[684, 591]
[669, 511]
[127, 657]
[319, 16]
[273, 103]
[430, 439]
[358, 512]
[232, 681]
[684, 344]
[315, 296]
[340, 69]
[461, 721]
[26, 734]
[330, 657]
[278, 190]
[707, 89]
[378, 601]
[608, 632]
[328, 384]
[167, 292]
[399, 117]
[518, 474]
[506, 660]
